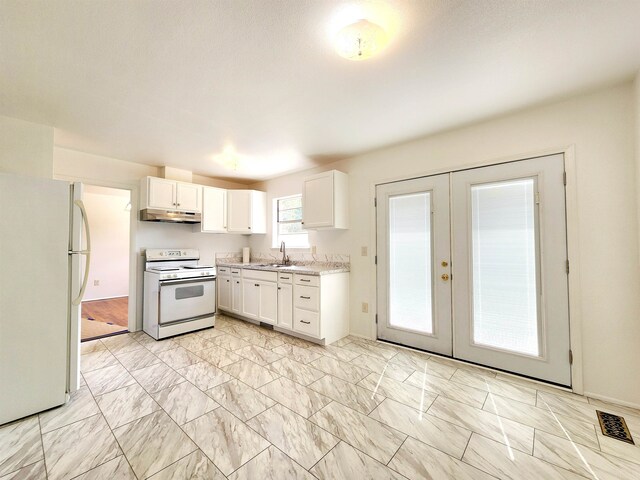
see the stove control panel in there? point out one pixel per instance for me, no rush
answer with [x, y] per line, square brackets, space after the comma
[171, 254]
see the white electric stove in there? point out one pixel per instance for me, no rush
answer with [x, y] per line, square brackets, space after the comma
[179, 293]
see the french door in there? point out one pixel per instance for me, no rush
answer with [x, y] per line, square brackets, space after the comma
[413, 261]
[472, 264]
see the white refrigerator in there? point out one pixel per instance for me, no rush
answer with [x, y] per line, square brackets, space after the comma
[44, 262]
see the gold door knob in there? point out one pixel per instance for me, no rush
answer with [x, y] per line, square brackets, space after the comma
[445, 276]
[445, 263]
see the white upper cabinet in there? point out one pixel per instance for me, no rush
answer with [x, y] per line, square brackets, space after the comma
[246, 211]
[188, 197]
[161, 193]
[165, 194]
[325, 201]
[214, 210]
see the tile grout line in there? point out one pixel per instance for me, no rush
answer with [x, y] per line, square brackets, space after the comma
[105, 418]
[44, 458]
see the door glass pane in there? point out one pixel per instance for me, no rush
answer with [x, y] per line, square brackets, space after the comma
[410, 294]
[505, 309]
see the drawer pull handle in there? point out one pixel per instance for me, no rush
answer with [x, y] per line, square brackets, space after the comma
[234, 272]
[284, 278]
[302, 321]
[256, 284]
[306, 298]
[304, 280]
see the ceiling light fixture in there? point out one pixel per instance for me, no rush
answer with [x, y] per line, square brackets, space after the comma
[360, 40]
[229, 158]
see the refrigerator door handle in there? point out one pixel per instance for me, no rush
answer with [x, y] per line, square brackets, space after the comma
[86, 252]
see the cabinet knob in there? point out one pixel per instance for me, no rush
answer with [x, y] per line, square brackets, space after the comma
[279, 288]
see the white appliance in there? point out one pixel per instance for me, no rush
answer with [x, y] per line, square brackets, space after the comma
[179, 294]
[41, 287]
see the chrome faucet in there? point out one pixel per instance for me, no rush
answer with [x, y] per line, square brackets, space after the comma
[285, 258]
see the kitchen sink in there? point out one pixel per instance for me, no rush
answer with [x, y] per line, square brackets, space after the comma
[279, 265]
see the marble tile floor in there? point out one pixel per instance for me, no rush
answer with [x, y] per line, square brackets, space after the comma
[243, 402]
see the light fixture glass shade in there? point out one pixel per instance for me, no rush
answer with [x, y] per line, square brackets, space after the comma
[360, 40]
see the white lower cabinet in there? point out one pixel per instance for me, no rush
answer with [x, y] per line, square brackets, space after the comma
[306, 321]
[236, 290]
[224, 290]
[310, 305]
[268, 302]
[250, 299]
[285, 305]
[259, 295]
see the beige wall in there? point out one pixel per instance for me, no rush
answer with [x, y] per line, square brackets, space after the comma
[601, 127]
[25, 148]
[106, 208]
[636, 85]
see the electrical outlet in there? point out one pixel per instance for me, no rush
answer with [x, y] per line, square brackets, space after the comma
[313, 249]
[96, 283]
[364, 251]
[365, 307]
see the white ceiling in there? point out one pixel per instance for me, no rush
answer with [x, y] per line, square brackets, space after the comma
[173, 82]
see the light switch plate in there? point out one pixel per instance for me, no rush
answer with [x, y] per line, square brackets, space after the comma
[365, 307]
[364, 251]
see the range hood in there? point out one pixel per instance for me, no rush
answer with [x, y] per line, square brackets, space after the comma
[169, 216]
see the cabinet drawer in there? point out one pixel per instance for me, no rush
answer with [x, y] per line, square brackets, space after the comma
[306, 322]
[285, 278]
[306, 297]
[259, 275]
[308, 280]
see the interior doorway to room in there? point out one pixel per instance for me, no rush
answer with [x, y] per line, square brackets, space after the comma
[106, 299]
[473, 264]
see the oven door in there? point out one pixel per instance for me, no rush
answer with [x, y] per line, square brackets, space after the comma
[186, 299]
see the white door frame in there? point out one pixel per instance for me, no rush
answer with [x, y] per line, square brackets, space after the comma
[133, 230]
[573, 244]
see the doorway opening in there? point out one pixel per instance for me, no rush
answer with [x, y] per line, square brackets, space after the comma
[106, 300]
[473, 265]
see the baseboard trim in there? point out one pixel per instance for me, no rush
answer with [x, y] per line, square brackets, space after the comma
[616, 401]
[104, 298]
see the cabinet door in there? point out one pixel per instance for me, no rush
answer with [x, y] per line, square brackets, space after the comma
[239, 211]
[236, 294]
[188, 197]
[162, 193]
[269, 302]
[251, 299]
[285, 305]
[224, 292]
[317, 201]
[214, 210]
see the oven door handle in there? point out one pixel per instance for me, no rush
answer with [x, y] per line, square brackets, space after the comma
[186, 280]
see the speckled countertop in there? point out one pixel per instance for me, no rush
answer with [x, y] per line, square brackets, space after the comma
[314, 269]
